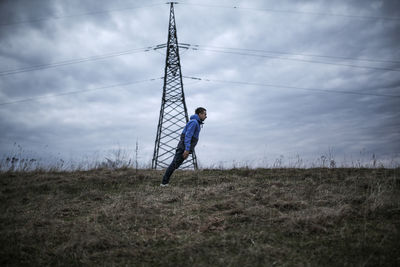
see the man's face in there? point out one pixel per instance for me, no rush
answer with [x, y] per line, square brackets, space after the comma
[203, 116]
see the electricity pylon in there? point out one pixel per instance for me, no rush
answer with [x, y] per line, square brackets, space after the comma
[173, 112]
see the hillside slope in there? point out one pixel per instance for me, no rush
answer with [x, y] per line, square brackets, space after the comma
[317, 217]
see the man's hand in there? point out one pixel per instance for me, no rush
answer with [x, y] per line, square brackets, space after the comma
[185, 154]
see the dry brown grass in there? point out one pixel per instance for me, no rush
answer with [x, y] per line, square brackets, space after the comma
[262, 217]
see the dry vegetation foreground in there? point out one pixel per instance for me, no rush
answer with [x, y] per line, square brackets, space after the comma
[283, 217]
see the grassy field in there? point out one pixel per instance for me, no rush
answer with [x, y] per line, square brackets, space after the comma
[261, 217]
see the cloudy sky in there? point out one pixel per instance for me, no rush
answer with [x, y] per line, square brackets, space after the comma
[281, 80]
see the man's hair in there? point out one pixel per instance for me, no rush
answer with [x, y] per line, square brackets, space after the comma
[199, 110]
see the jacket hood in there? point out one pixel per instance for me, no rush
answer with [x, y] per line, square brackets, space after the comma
[196, 117]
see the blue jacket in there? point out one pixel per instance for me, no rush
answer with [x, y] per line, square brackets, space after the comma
[191, 132]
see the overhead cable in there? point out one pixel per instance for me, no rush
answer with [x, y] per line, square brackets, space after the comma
[187, 46]
[290, 87]
[293, 59]
[78, 91]
[91, 13]
[298, 12]
[215, 49]
[100, 12]
[75, 61]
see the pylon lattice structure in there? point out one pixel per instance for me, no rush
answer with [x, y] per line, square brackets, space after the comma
[173, 112]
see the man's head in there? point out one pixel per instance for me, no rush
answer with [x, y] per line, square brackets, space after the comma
[202, 112]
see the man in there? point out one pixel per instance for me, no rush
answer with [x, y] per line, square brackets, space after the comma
[189, 139]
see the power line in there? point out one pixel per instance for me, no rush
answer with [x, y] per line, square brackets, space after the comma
[218, 49]
[75, 61]
[297, 12]
[297, 54]
[99, 12]
[290, 87]
[92, 13]
[77, 92]
[295, 59]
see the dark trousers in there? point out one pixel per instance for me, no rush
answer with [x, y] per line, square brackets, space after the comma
[176, 162]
